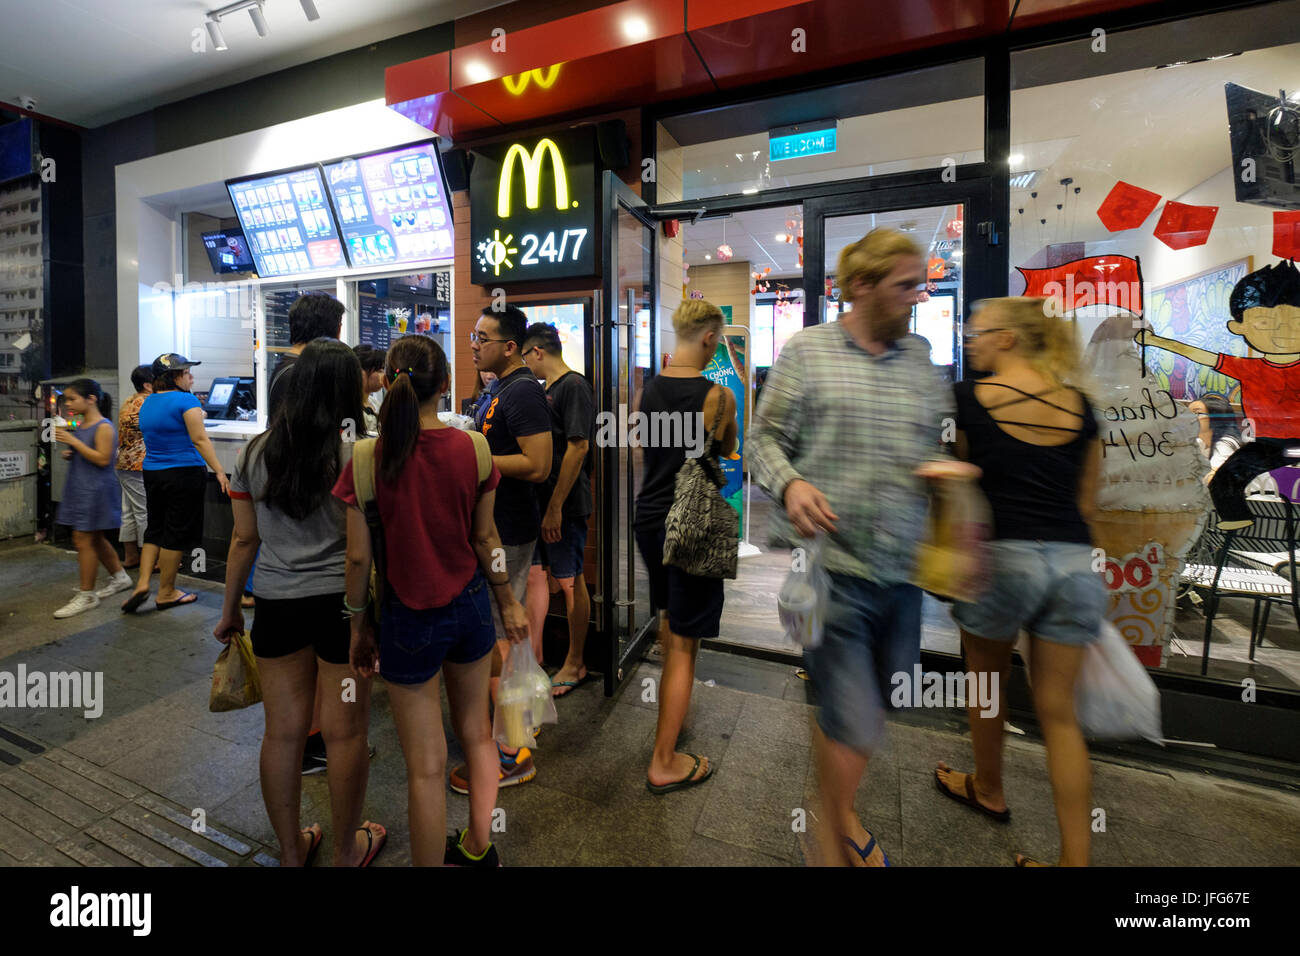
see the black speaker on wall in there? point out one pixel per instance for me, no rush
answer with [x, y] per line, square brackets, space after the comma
[456, 163]
[612, 143]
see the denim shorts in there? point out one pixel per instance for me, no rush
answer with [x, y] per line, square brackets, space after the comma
[413, 644]
[1048, 588]
[564, 557]
[871, 633]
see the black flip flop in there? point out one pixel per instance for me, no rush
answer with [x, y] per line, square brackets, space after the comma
[688, 781]
[133, 602]
[164, 605]
[371, 851]
[969, 798]
[317, 837]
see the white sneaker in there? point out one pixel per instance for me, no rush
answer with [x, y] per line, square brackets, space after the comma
[84, 601]
[120, 582]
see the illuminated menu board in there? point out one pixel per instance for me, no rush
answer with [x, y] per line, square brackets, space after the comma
[393, 205]
[288, 223]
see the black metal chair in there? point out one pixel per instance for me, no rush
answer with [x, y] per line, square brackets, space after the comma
[1253, 574]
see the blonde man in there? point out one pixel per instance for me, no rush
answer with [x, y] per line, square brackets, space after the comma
[850, 409]
[689, 607]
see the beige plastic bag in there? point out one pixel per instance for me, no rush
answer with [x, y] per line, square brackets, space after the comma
[234, 677]
[952, 561]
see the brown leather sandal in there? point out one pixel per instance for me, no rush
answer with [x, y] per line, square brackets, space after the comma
[969, 798]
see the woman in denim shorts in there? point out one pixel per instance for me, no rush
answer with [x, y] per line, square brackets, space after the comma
[439, 543]
[1035, 439]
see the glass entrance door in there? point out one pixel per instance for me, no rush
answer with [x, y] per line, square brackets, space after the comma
[944, 221]
[625, 356]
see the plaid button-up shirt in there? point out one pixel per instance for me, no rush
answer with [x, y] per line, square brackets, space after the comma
[855, 425]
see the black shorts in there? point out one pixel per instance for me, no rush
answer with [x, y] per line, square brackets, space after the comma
[693, 603]
[173, 501]
[282, 626]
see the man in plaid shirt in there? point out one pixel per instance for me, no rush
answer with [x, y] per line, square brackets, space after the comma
[849, 411]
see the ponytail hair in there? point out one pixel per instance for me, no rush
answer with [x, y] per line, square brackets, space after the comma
[89, 388]
[415, 372]
[1049, 342]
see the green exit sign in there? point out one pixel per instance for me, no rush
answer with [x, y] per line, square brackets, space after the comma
[803, 139]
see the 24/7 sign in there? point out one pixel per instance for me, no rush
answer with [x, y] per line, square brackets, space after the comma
[533, 206]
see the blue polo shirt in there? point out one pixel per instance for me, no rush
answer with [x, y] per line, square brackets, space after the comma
[166, 439]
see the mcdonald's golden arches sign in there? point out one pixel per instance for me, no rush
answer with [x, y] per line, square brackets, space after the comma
[533, 208]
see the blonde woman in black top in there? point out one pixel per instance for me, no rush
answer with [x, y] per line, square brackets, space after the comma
[1035, 439]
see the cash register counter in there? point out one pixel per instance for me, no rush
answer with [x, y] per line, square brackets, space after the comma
[228, 439]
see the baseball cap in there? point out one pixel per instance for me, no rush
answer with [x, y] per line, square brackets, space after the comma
[170, 362]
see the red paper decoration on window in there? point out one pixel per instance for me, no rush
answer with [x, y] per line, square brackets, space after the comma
[1182, 226]
[1126, 207]
[1286, 235]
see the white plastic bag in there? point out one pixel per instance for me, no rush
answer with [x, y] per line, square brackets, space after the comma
[804, 597]
[463, 422]
[1114, 697]
[524, 700]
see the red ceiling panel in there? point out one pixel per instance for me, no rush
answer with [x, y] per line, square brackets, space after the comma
[637, 52]
[645, 73]
[417, 78]
[740, 50]
[613, 28]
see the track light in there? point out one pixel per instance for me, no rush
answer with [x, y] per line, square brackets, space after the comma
[259, 21]
[256, 13]
[214, 33]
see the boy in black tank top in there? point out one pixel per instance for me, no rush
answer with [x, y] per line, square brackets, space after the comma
[689, 607]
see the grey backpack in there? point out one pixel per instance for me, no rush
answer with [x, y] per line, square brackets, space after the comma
[702, 532]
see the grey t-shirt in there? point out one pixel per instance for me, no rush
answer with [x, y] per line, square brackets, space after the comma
[298, 558]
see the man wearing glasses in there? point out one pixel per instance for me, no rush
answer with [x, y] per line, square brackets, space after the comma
[517, 425]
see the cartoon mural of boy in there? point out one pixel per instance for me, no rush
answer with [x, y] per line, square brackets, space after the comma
[1265, 307]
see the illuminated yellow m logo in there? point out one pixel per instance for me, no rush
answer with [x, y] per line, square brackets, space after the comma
[532, 176]
[516, 84]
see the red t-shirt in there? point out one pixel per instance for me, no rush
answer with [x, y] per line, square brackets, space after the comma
[428, 516]
[1270, 394]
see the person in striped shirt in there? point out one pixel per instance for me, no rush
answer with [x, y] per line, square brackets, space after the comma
[850, 410]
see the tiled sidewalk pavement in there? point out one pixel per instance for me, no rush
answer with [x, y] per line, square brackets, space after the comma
[122, 789]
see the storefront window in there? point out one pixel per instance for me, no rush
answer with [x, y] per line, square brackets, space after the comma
[894, 124]
[1149, 179]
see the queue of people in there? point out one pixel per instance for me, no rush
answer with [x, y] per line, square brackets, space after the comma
[850, 413]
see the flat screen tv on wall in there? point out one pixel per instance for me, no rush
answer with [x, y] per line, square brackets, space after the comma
[1265, 133]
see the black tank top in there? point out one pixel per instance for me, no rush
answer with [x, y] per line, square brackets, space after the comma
[1032, 490]
[684, 396]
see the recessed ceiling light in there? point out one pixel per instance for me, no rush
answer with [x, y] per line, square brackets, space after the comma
[635, 28]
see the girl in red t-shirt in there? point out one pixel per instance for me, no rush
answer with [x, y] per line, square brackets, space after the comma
[440, 540]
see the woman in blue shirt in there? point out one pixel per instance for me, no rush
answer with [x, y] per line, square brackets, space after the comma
[176, 448]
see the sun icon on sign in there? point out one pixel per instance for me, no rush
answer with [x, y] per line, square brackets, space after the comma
[493, 252]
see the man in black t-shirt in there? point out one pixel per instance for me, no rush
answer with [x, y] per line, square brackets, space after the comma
[313, 315]
[565, 498]
[517, 425]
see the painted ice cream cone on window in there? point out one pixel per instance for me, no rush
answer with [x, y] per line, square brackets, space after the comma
[1151, 501]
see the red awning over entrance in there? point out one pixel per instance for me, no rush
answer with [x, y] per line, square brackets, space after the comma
[645, 51]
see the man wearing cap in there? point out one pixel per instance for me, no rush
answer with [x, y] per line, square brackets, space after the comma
[175, 477]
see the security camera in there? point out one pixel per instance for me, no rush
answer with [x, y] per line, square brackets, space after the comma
[27, 102]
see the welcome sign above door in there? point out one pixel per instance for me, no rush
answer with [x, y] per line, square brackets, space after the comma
[533, 205]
